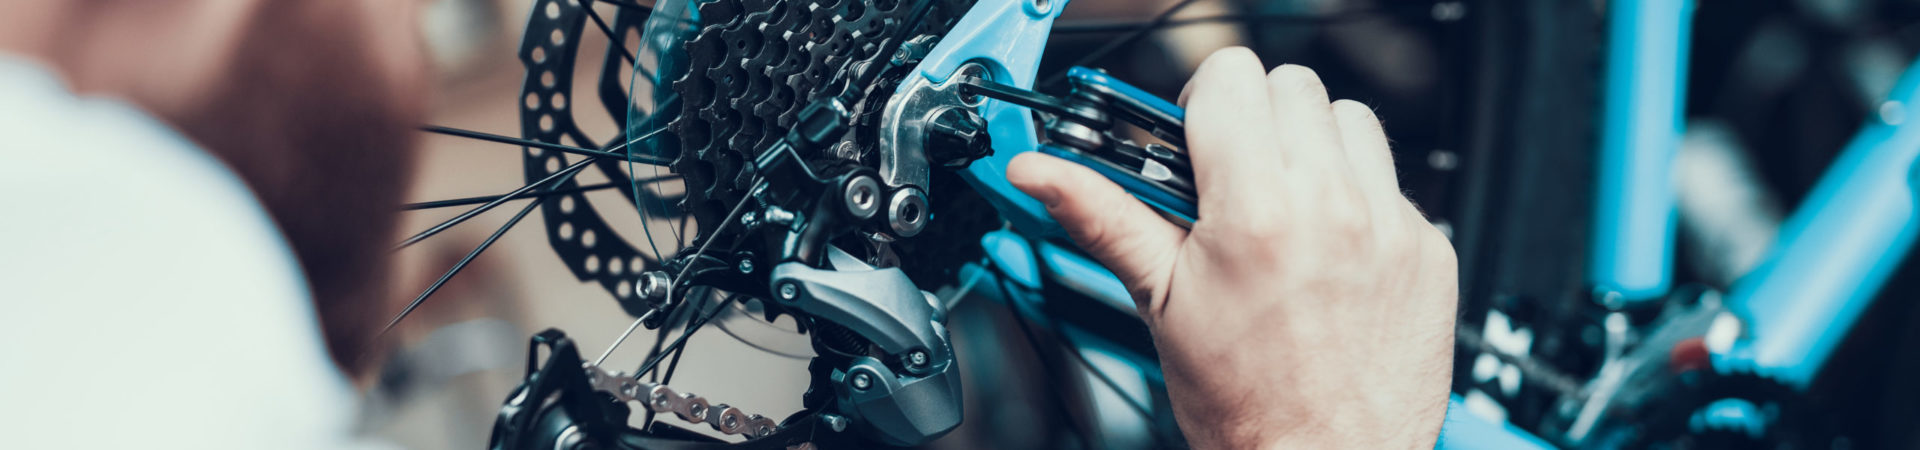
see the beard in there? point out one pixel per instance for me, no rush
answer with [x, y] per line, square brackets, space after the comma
[318, 121]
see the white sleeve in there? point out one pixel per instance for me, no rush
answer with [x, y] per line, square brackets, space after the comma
[146, 299]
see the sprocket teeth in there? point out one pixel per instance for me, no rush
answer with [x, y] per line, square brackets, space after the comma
[751, 68]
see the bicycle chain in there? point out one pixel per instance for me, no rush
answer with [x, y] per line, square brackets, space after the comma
[689, 407]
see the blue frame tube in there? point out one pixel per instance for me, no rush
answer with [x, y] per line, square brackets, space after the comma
[1837, 250]
[1006, 36]
[1641, 124]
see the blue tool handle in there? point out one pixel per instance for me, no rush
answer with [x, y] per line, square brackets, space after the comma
[1135, 105]
[1180, 208]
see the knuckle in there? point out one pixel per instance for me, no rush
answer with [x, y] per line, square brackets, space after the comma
[1438, 250]
[1355, 112]
[1352, 109]
[1298, 79]
[1236, 55]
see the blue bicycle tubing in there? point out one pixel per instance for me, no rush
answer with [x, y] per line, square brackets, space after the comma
[1462, 429]
[1007, 37]
[1640, 128]
[1836, 250]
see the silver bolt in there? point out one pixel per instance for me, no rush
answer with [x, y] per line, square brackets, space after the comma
[788, 291]
[900, 56]
[907, 212]
[846, 150]
[862, 381]
[862, 197]
[653, 285]
[778, 215]
[917, 358]
[835, 422]
[746, 266]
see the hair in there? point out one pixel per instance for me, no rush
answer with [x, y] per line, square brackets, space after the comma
[324, 137]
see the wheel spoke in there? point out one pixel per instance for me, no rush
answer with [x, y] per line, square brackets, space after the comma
[616, 151]
[613, 39]
[566, 173]
[674, 283]
[673, 364]
[486, 198]
[457, 267]
[681, 341]
[1040, 354]
[1072, 348]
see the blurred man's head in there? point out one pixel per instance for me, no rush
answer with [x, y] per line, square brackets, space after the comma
[311, 102]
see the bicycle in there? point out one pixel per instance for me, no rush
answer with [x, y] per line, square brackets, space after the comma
[824, 224]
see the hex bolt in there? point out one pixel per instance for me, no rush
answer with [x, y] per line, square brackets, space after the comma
[861, 197]
[917, 359]
[862, 381]
[835, 422]
[846, 150]
[746, 266]
[789, 292]
[907, 211]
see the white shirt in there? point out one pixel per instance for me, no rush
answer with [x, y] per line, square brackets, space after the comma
[146, 299]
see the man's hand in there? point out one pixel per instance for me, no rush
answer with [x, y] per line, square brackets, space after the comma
[1311, 305]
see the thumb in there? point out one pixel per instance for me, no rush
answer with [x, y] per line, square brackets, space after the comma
[1124, 234]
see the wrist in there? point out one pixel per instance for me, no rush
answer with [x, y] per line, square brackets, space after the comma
[1416, 427]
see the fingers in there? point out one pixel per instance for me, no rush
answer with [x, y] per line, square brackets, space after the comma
[1230, 131]
[1185, 91]
[1309, 139]
[1124, 234]
[1367, 151]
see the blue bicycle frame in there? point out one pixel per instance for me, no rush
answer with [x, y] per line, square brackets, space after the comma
[1833, 254]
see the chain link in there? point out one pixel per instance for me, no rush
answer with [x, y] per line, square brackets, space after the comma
[689, 407]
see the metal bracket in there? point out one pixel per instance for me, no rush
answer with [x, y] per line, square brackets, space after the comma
[903, 124]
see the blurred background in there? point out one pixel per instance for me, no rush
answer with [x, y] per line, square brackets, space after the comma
[1492, 111]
